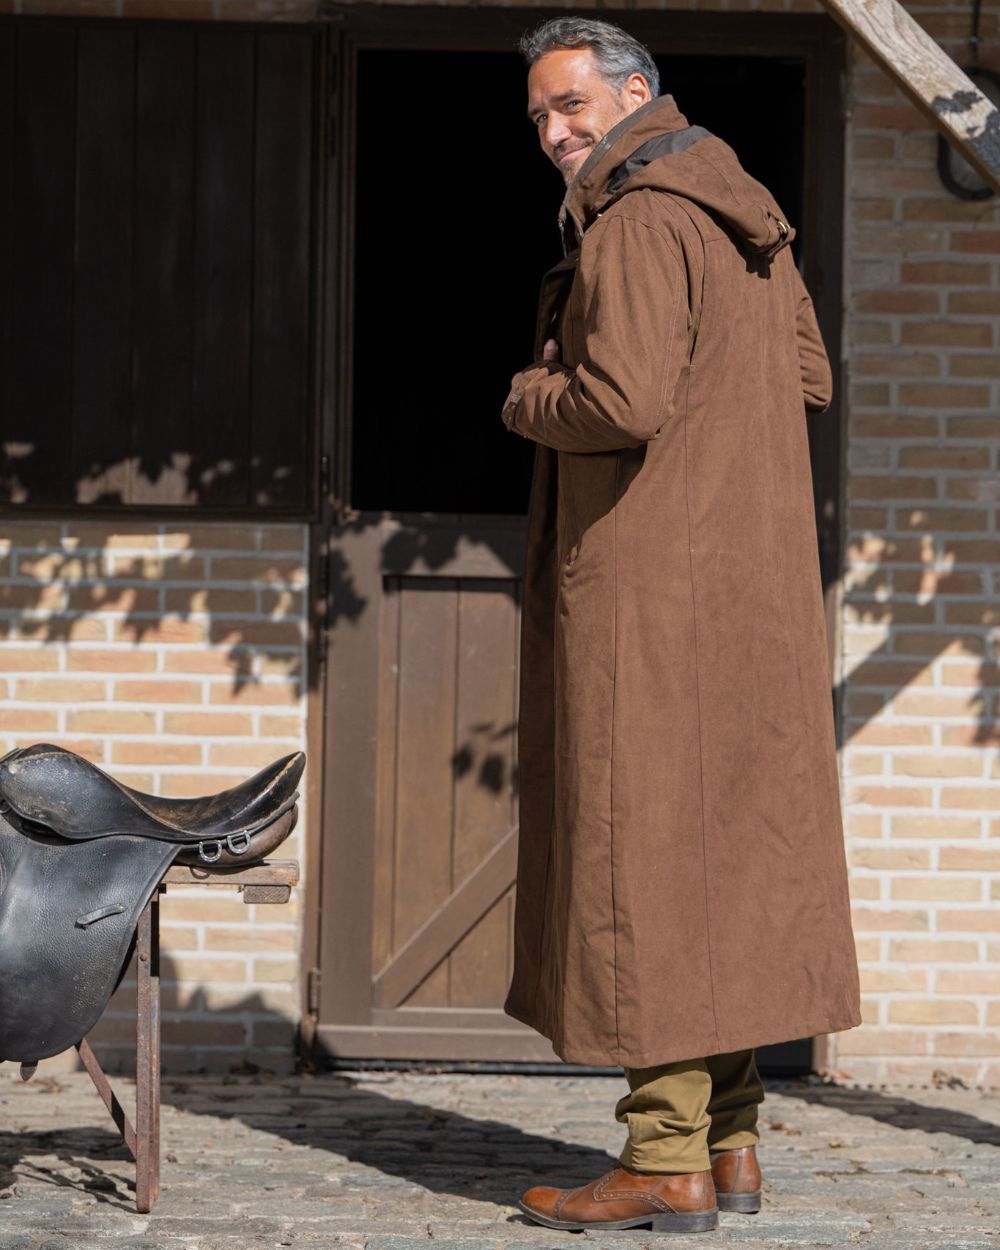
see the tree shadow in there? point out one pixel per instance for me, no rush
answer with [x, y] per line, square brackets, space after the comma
[898, 1111]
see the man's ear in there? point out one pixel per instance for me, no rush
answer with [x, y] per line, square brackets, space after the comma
[636, 91]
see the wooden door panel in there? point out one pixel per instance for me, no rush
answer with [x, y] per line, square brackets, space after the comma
[432, 657]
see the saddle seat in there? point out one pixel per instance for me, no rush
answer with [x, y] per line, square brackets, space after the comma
[75, 799]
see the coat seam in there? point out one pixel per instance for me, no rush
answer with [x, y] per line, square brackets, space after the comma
[701, 735]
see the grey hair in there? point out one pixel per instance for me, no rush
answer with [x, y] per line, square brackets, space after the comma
[617, 53]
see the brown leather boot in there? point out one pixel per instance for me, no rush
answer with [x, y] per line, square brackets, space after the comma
[666, 1203]
[736, 1174]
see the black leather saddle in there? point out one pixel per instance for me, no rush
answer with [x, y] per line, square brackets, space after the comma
[80, 856]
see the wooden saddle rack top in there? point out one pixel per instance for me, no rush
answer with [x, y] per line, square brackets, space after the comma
[80, 856]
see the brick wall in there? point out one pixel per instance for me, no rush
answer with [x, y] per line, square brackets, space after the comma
[174, 658]
[920, 617]
[919, 622]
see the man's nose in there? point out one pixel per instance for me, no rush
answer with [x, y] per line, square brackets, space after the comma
[554, 130]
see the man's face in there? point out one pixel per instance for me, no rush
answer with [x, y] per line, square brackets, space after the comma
[573, 107]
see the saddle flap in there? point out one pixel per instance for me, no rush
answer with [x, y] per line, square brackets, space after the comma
[75, 799]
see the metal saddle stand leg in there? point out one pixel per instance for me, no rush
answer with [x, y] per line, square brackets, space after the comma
[82, 858]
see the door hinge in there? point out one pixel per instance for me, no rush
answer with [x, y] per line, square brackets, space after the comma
[312, 992]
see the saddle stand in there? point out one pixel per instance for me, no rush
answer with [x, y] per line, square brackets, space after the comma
[82, 862]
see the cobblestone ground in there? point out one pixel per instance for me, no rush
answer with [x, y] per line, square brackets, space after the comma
[414, 1161]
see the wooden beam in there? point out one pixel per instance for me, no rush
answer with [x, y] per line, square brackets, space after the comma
[929, 76]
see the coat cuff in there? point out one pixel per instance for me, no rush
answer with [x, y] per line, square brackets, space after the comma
[513, 413]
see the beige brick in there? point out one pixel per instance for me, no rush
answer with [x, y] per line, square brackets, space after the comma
[892, 796]
[889, 425]
[894, 980]
[60, 690]
[282, 602]
[943, 395]
[985, 613]
[280, 726]
[283, 538]
[196, 968]
[861, 764]
[208, 724]
[193, 785]
[924, 703]
[187, 1032]
[943, 889]
[875, 734]
[932, 950]
[209, 906]
[933, 1011]
[244, 633]
[970, 858]
[986, 798]
[103, 720]
[868, 920]
[158, 568]
[936, 582]
[974, 489]
[976, 304]
[971, 735]
[215, 663]
[247, 754]
[872, 1040]
[983, 366]
[884, 550]
[974, 1043]
[887, 117]
[158, 691]
[973, 427]
[891, 673]
[938, 827]
[251, 938]
[254, 694]
[952, 981]
[993, 1014]
[280, 971]
[156, 753]
[90, 748]
[896, 364]
[863, 486]
[864, 825]
[979, 674]
[865, 889]
[273, 1033]
[870, 395]
[37, 598]
[28, 720]
[930, 643]
[106, 660]
[176, 938]
[869, 949]
[969, 921]
[938, 765]
[28, 660]
[893, 857]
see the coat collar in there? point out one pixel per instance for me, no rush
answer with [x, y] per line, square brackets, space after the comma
[585, 191]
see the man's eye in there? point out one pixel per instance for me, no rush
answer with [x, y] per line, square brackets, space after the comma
[573, 104]
[540, 118]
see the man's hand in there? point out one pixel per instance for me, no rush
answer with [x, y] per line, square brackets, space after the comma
[552, 351]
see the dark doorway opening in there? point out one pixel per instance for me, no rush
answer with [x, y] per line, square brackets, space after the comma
[456, 222]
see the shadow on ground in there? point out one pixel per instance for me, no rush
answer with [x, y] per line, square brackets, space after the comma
[894, 1109]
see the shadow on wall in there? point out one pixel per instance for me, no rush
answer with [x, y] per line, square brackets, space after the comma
[928, 596]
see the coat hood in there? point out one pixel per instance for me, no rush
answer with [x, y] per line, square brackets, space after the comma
[654, 147]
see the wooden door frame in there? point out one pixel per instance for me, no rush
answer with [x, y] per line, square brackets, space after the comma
[820, 44]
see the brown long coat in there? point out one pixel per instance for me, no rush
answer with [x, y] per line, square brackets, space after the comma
[681, 885]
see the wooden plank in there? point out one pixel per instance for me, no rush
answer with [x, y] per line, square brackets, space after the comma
[460, 1045]
[442, 931]
[276, 872]
[928, 76]
[102, 295]
[282, 252]
[384, 833]
[484, 774]
[164, 438]
[223, 264]
[40, 420]
[426, 743]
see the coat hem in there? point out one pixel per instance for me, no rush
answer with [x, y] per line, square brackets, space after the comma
[696, 1048]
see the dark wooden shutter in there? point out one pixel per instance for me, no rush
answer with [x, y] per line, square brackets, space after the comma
[156, 266]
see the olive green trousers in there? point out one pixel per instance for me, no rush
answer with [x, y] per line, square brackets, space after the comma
[678, 1114]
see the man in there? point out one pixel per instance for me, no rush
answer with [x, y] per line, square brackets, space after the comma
[681, 887]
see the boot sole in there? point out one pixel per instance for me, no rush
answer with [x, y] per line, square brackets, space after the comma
[680, 1222]
[748, 1204]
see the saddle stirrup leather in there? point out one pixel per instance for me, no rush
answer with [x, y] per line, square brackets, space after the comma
[80, 857]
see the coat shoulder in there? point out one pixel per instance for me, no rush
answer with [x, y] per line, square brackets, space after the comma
[670, 215]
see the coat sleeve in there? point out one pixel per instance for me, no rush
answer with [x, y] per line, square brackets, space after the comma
[814, 366]
[635, 341]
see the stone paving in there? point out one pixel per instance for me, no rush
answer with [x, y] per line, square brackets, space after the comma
[411, 1161]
